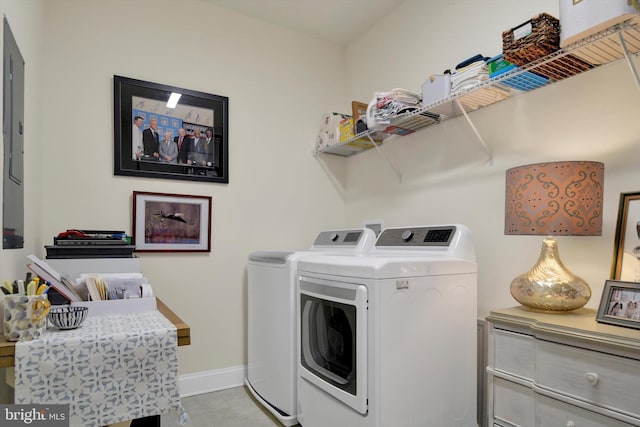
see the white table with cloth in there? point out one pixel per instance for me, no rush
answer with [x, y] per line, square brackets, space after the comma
[113, 368]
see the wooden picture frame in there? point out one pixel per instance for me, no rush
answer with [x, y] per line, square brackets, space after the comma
[165, 222]
[620, 304]
[626, 250]
[200, 154]
[357, 109]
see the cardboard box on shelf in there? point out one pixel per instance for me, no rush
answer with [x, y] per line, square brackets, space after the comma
[584, 18]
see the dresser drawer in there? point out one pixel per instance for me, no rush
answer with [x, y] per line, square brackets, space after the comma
[513, 403]
[513, 353]
[598, 378]
[551, 412]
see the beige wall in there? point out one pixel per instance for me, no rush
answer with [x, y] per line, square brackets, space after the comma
[278, 83]
[447, 176]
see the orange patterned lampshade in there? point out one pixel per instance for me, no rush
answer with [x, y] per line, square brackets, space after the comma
[557, 198]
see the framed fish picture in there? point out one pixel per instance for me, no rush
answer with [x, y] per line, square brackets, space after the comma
[171, 222]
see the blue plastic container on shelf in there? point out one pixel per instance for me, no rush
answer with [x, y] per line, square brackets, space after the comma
[524, 81]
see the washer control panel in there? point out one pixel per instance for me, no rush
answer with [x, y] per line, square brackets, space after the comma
[339, 238]
[417, 236]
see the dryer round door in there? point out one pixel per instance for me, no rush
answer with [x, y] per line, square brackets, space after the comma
[333, 339]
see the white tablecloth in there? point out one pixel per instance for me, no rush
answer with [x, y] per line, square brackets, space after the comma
[111, 369]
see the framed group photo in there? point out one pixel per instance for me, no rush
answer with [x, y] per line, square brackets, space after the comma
[168, 132]
[620, 304]
[626, 251]
[171, 222]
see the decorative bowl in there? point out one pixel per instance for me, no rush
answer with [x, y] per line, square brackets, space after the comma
[67, 317]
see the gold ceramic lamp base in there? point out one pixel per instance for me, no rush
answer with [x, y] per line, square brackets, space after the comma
[549, 285]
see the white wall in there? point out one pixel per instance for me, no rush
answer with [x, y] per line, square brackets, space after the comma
[447, 176]
[278, 83]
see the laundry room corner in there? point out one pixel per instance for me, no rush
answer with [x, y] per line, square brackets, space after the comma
[455, 171]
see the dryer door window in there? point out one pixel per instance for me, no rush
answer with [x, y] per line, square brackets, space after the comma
[328, 338]
[333, 338]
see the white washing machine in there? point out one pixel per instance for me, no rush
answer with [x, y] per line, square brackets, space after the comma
[272, 326]
[388, 339]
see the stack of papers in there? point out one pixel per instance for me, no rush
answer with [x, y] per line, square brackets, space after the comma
[93, 286]
[113, 286]
[394, 103]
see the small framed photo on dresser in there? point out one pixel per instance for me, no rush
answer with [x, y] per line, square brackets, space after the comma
[620, 304]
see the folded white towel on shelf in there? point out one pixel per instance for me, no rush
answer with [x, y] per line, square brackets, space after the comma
[469, 76]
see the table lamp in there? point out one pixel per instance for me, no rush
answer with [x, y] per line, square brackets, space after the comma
[553, 199]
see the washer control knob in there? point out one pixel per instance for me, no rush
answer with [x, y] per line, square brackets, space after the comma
[407, 235]
[334, 237]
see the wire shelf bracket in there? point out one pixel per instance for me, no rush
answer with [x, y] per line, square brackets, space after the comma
[386, 159]
[475, 131]
[627, 57]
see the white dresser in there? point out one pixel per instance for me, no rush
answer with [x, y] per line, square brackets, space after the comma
[561, 369]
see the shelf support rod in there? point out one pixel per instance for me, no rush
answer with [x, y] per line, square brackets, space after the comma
[475, 130]
[627, 57]
[336, 183]
[386, 159]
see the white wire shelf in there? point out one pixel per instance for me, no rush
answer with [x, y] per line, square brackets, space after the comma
[607, 46]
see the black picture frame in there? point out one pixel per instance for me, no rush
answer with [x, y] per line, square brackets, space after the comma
[620, 304]
[205, 161]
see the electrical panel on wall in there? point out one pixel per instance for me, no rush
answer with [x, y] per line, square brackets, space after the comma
[13, 138]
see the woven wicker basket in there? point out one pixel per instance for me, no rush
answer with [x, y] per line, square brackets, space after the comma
[543, 40]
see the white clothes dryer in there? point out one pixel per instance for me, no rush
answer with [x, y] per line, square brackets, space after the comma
[388, 339]
[271, 318]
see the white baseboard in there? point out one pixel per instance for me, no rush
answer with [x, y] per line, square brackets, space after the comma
[208, 381]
